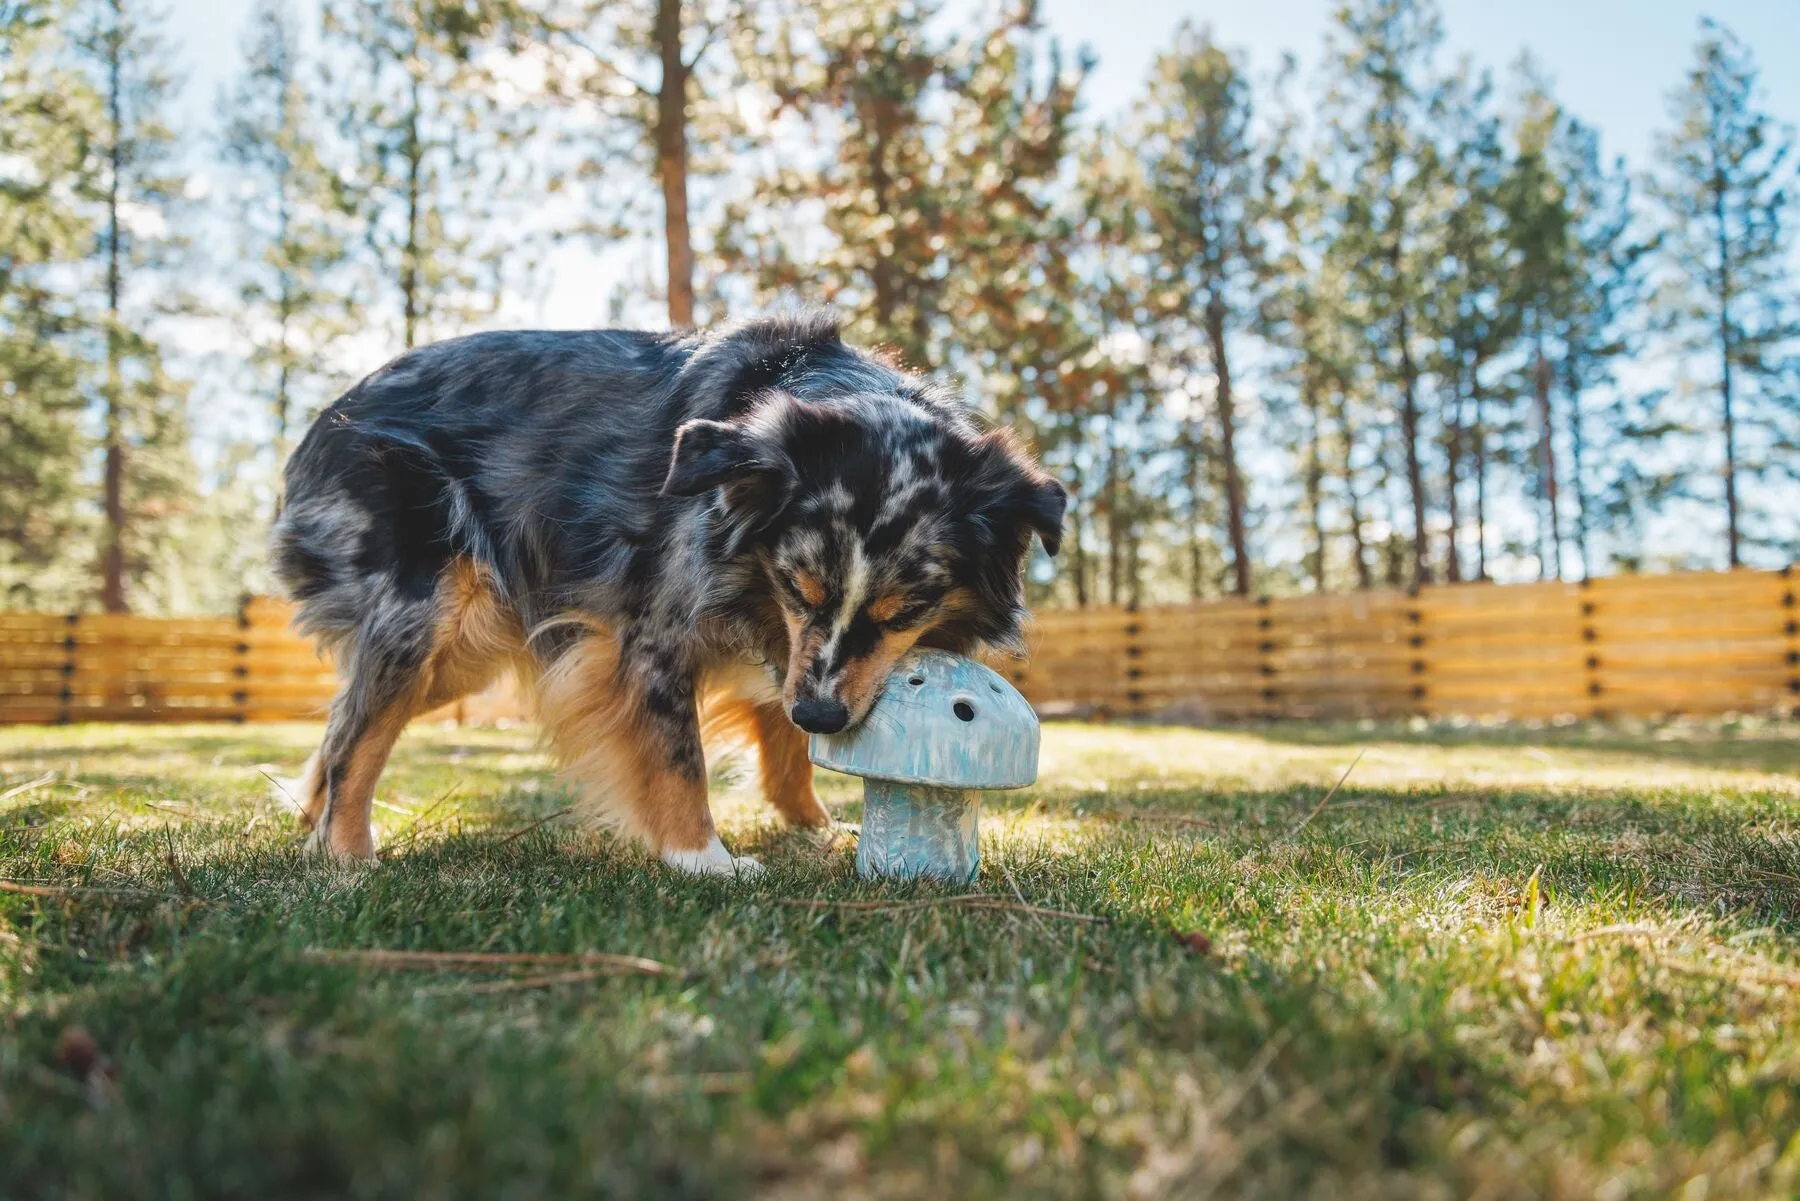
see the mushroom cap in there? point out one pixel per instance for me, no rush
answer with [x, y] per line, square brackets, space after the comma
[942, 720]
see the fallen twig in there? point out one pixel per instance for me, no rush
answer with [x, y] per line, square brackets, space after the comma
[48, 777]
[1326, 799]
[544, 820]
[970, 901]
[487, 961]
[582, 976]
[175, 809]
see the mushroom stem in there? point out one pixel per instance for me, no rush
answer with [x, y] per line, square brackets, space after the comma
[913, 830]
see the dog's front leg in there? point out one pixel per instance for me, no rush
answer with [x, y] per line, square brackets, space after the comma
[625, 723]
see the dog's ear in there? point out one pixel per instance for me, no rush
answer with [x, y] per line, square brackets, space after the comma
[1017, 495]
[1043, 506]
[708, 454]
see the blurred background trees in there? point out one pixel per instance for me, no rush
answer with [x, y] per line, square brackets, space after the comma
[1383, 322]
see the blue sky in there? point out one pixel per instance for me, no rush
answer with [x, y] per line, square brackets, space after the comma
[1613, 60]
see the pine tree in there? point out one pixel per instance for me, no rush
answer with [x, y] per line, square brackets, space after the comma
[291, 225]
[440, 178]
[1725, 184]
[1609, 428]
[605, 52]
[1193, 132]
[1466, 310]
[147, 473]
[1382, 90]
[46, 113]
[852, 216]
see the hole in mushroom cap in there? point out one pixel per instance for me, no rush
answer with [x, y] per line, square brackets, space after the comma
[916, 681]
[964, 711]
[994, 688]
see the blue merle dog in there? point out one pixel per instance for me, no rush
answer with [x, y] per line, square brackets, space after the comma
[673, 537]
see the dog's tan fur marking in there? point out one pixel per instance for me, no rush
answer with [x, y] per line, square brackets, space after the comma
[810, 589]
[864, 678]
[886, 606]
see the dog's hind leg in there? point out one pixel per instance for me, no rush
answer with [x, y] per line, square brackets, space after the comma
[384, 684]
[411, 658]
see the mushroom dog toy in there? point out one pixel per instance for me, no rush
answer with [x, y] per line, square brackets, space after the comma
[944, 729]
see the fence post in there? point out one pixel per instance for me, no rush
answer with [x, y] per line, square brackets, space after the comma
[1591, 638]
[1265, 657]
[1415, 620]
[1792, 628]
[240, 696]
[64, 716]
[1134, 671]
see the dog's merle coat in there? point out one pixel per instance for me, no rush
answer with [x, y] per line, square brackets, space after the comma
[632, 518]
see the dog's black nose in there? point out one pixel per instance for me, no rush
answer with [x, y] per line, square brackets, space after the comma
[821, 716]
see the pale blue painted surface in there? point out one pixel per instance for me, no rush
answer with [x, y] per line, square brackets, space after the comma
[943, 729]
[916, 830]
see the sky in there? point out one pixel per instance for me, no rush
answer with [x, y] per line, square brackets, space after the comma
[1613, 60]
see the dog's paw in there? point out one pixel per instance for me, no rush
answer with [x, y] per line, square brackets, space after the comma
[318, 845]
[713, 860]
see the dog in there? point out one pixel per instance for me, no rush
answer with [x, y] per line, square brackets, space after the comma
[673, 537]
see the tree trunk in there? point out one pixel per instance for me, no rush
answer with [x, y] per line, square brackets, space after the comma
[671, 162]
[112, 557]
[1733, 555]
[409, 255]
[1453, 453]
[1315, 481]
[1192, 449]
[1364, 580]
[1549, 566]
[1480, 439]
[1577, 465]
[1234, 480]
[1409, 429]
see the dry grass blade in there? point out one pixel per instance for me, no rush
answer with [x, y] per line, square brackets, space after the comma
[1167, 819]
[974, 901]
[544, 820]
[417, 826]
[30, 889]
[486, 961]
[281, 790]
[48, 777]
[180, 877]
[1326, 799]
[1624, 930]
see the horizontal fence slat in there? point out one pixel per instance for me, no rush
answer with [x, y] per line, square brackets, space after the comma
[1689, 643]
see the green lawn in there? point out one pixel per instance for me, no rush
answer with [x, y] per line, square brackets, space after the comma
[1561, 962]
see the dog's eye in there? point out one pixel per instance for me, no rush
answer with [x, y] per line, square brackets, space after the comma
[901, 613]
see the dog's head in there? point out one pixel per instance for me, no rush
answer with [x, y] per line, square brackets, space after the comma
[878, 523]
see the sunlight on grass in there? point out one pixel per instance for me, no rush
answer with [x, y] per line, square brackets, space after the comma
[1556, 962]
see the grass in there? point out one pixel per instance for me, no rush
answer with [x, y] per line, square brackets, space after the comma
[1499, 963]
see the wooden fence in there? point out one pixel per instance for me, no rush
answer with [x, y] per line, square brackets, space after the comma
[1702, 643]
